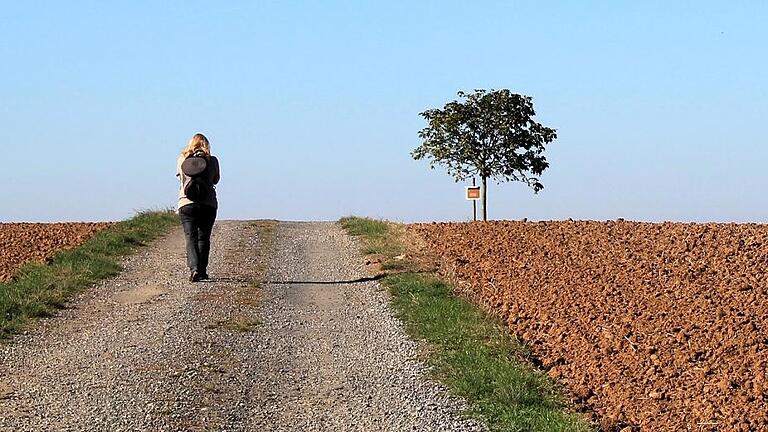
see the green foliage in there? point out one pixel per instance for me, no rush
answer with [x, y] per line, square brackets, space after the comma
[490, 134]
[38, 290]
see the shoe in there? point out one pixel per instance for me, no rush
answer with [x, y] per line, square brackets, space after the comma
[194, 276]
[204, 276]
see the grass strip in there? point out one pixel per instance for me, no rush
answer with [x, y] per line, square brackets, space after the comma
[470, 352]
[378, 239]
[39, 289]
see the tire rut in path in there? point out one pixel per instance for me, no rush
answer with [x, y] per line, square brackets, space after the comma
[147, 350]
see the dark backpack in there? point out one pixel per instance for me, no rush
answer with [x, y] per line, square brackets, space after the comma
[197, 187]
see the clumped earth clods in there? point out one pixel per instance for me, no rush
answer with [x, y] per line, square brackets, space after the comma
[24, 242]
[652, 326]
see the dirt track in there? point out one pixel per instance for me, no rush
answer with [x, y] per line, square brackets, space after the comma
[22, 242]
[654, 326]
[310, 345]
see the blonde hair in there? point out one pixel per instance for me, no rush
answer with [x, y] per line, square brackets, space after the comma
[197, 143]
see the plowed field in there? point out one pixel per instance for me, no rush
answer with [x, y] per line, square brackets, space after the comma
[22, 242]
[653, 326]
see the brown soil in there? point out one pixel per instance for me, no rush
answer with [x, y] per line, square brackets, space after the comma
[23, 242]
[655, 327]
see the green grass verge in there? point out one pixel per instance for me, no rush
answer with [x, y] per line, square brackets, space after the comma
[38, 290]
[470, 352]
[376, 233]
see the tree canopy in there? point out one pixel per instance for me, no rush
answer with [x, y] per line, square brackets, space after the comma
[490, 134]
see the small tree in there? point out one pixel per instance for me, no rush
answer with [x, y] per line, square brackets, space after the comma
[490, 134]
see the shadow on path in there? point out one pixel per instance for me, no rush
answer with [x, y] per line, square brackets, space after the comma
[228, 279]
[342, 282]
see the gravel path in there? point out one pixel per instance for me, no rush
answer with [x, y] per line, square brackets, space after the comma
[310, 348]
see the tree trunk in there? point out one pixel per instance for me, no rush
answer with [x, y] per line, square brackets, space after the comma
[485, 198]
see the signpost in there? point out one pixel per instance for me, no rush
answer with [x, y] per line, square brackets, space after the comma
[473, 194]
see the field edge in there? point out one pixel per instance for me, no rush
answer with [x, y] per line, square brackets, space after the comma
[39, 289]
[469, 351]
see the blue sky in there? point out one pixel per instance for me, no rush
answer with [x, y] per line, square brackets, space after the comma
[312, 107]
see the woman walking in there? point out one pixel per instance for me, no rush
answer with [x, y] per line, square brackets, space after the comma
[198, 173]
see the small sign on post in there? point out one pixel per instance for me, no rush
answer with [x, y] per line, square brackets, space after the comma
[473, 194]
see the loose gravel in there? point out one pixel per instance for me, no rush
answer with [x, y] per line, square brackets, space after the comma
[312, 347]
[340, 361]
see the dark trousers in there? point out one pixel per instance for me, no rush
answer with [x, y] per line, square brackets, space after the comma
[197, 220]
